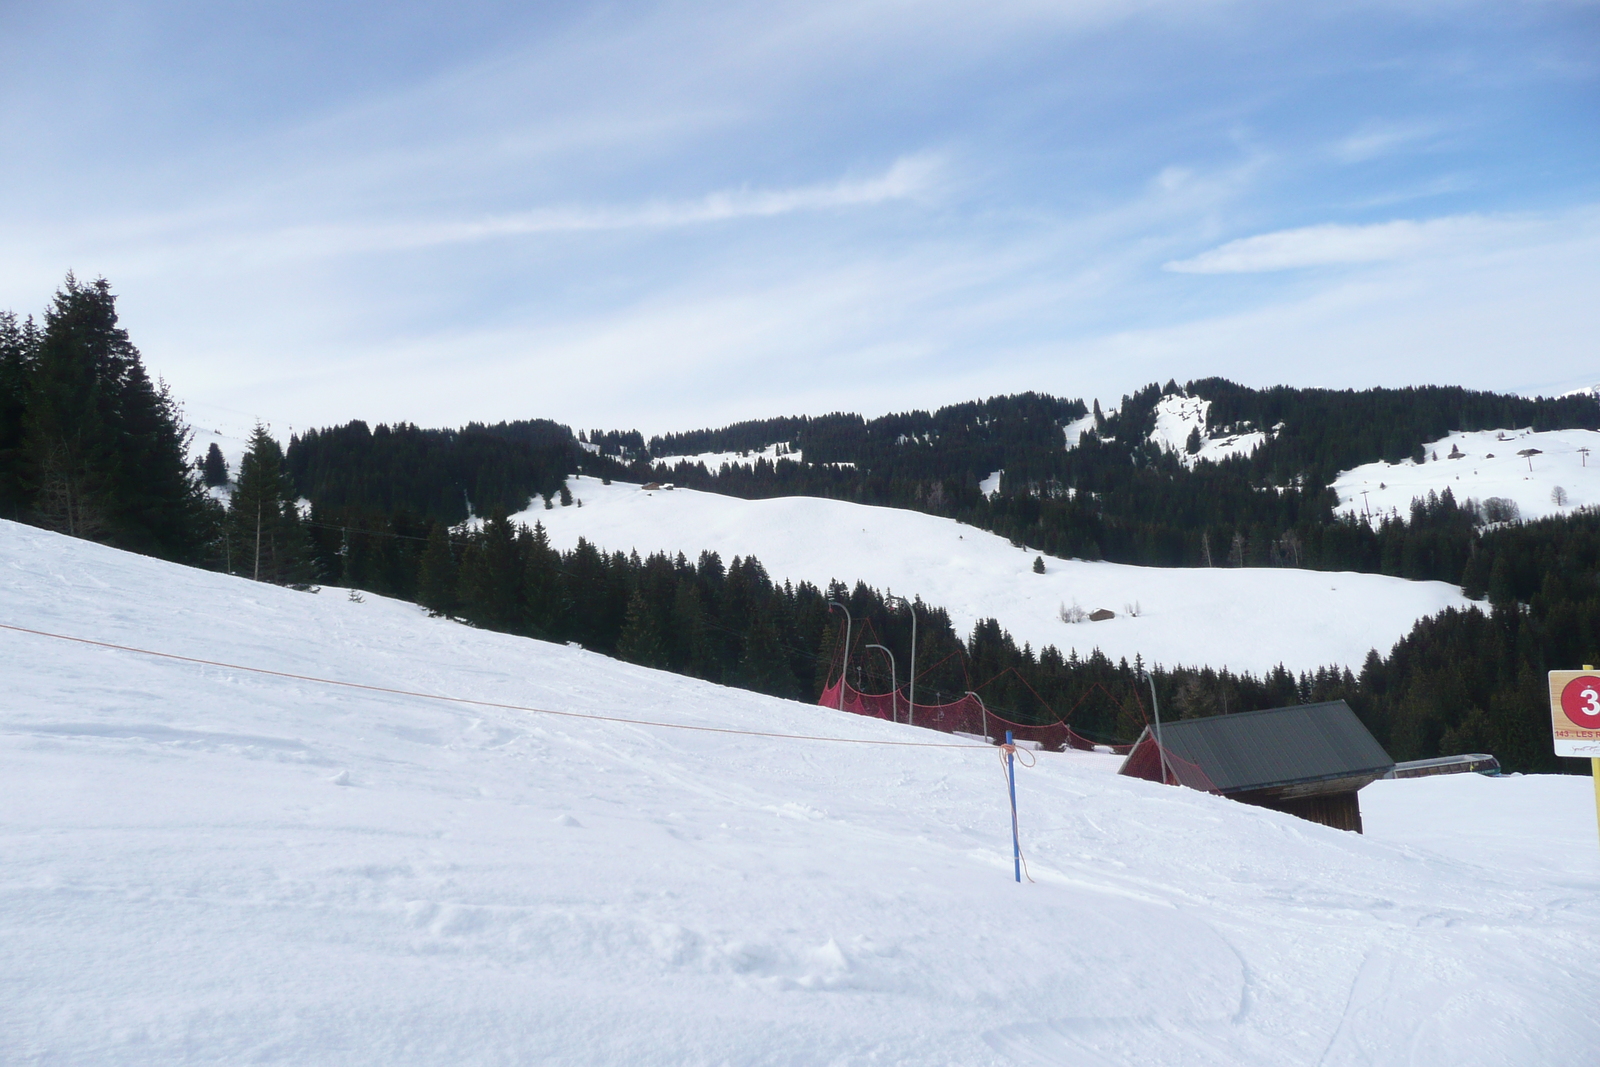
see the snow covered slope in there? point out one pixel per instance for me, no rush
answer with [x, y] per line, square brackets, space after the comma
[715, 460]
[1072, 433]
[1489, 463]
[1249, 619]
[204, 865]
[1179, 416]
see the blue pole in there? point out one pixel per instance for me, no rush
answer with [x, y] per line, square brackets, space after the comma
[1011, 780]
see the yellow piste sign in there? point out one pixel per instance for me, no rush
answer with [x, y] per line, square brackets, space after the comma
[1575, 712]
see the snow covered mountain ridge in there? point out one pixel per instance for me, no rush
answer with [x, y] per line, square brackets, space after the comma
[1245, 618]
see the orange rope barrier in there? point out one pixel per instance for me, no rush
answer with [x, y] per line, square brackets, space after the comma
[481, 703]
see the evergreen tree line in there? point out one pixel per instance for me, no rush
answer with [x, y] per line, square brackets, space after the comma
[89, 445]
[437, 474]
[1118, 496]
[1325, 431]
[951, 443]
[1114, 496]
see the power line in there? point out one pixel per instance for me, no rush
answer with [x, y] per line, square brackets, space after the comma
[482, 703]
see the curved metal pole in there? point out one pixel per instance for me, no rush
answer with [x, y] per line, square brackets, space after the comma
[985, 708]
[911, 678]
[1160, 748]
[894, 686]
[844, 666]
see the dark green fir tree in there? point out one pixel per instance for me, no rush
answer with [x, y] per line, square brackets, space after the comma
[214, 470]
[436, 575]
[104, 452]
[266, 540]
[642, 640]
[763, 666]
[19, 349]
[491, 580]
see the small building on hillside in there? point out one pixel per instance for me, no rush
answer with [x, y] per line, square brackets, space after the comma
[1309, 760]
[1466, 763]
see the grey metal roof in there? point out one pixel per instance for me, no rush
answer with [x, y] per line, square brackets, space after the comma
[1279, 746]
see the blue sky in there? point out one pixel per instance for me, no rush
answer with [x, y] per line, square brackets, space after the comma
[671, 215]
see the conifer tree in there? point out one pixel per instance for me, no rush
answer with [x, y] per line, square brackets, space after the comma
[763, 665]
[355, 558]
[542, 585]
[827, 653]
[215, 468]
[642, 640]
[1502, 593]
[104, 453]
[491, 581]
[436, 575]
[69, 430]
[266, 539]
[19, 346]
[691, 649]
[583, 584]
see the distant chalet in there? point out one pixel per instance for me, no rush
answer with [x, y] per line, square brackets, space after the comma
[1309, 760]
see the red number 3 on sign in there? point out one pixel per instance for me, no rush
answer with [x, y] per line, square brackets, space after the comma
[1580, 699]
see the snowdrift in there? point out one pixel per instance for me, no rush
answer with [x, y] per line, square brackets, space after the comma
[1248, 619]
[206, 865]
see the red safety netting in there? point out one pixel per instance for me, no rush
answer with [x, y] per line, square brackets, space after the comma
[1144, 761]
[966, 716]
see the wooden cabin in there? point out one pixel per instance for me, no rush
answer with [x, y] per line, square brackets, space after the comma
[1308, 760]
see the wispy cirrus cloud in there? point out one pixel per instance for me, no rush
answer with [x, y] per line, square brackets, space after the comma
[1379, 139]
[1334, 244]
[237, 229]
[906, 178]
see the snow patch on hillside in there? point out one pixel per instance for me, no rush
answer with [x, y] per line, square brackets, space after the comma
[1488, 463]
[1178, 416]
[714, 461]
[229, 431]
[991, 485]
[1072, 433]
[204, 865]
[747, 458]
[1249, 619]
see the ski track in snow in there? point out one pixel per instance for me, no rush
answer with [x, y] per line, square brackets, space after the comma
[204, 865]
[1248, 619]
